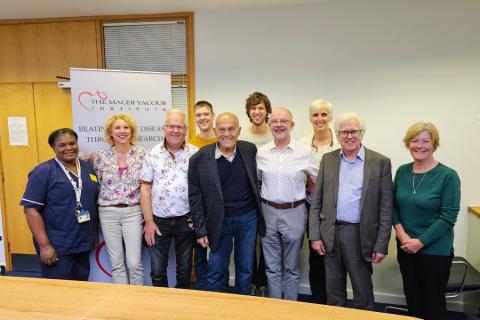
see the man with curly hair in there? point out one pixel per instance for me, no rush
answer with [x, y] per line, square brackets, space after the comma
[258, 109]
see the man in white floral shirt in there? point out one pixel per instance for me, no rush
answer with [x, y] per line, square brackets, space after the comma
[164, 201]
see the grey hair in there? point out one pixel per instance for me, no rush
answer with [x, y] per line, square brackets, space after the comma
[318, 105]
[175, 111]
[346, 116]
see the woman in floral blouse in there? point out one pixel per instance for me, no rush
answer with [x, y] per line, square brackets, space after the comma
[118, 170]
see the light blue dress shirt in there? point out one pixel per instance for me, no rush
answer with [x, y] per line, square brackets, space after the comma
[350, 181]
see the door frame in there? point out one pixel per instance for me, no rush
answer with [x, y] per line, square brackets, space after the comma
[8, 255]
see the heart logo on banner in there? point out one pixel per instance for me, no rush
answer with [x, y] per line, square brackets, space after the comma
[97, 257]
[99, 94]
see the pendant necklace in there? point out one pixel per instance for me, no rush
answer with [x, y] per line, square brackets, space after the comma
[413, 182]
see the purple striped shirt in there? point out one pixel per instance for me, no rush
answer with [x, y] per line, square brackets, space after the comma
[350, 181]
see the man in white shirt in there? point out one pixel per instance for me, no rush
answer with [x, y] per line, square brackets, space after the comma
[258, 109]
[164, 201]
[282, 166]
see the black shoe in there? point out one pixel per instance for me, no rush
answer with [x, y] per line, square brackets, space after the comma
[263, 292]
[253, 290]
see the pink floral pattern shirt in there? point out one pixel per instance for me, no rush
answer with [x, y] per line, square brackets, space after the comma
[169, 178]
[117, 187]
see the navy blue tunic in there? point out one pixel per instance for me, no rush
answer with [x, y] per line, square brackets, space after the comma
[51, 193]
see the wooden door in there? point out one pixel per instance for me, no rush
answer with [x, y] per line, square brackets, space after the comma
[53, 109]
[16, 100]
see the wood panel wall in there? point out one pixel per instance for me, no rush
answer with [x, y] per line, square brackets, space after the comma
[40, 52]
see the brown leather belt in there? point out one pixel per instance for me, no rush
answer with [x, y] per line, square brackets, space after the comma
[283, 205]
[122, 205]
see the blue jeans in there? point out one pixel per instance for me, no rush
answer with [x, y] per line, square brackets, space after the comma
[243, 230]
[200, 266]
[179, 230]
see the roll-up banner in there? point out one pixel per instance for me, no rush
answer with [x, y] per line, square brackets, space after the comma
[98, 94]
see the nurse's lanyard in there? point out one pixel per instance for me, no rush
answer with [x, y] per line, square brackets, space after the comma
[82, 215]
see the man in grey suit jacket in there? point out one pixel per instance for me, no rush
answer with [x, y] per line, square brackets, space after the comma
[351, 213]
[225, 204]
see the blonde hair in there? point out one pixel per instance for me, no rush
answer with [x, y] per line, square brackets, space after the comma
[420, 127]
[120, 116]
[319, 105]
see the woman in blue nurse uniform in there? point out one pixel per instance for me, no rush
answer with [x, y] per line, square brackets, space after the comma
[59, 204]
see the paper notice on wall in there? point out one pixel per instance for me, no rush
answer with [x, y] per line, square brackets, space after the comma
[17, 131]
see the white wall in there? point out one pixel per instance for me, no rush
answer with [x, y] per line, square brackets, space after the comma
[473, 251]
[394, 62]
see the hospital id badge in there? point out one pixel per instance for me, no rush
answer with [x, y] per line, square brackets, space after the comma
[83, 216]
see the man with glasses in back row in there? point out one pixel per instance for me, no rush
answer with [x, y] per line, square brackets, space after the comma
[282, 166]
[351, 213]
[164, 201]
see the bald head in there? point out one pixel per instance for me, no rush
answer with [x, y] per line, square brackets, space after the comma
[227, 116]
[281, 125]
[227, 131]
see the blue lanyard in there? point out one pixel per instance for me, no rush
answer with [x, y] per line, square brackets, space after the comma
[78, 191]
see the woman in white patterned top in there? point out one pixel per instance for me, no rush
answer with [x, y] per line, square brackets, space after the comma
[118, 170]
[322, 141]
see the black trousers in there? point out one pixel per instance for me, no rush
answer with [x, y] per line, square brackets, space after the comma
[425, 279]
[179, 230]
[259, 275]
[316, 274]
[68, 267]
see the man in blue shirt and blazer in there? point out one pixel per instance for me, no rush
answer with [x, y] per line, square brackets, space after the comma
[351, 213]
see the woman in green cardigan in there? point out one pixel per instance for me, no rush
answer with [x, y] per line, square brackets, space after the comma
[426, 198]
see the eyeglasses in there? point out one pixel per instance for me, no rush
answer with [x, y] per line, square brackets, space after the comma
[179, 128]
[282, 122]
[354, 133]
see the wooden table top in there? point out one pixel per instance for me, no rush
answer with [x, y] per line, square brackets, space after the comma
[475, 211]
[30, 298]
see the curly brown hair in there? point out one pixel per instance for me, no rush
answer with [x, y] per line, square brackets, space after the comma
[256, 98]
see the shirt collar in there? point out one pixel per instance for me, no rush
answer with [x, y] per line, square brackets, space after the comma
[360, 154]
[165, 145]
[291, 145]
[219, 153]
